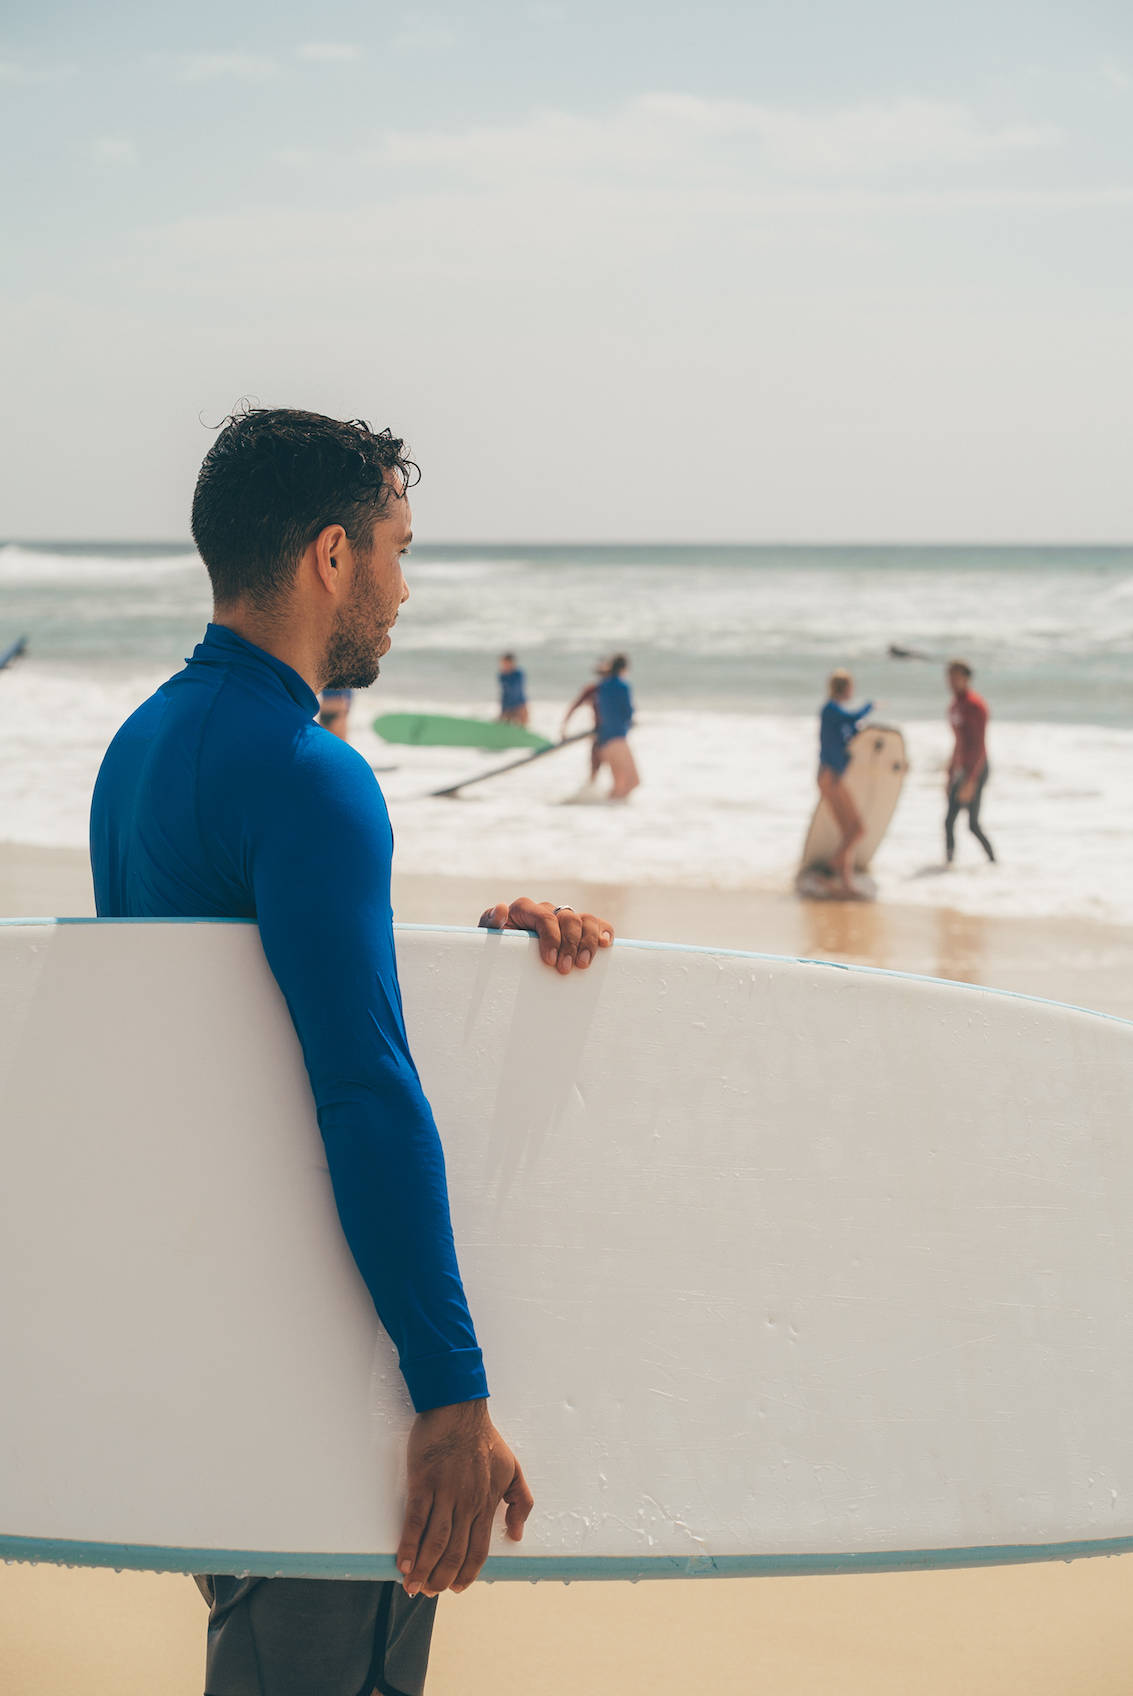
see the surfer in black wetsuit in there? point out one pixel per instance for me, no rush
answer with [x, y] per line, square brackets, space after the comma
[968, 767]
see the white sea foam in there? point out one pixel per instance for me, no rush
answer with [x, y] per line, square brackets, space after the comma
[25, 567]
[726, 798]
[730, 648]
[725, 801]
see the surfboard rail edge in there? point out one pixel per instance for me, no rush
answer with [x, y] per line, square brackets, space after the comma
[511, 937]
[564, 1569]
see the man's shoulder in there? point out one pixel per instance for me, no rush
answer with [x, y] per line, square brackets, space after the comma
[257, 756]
[127, 751]
[298, 753]
[142, 722]
[308, 791]
[326, 758]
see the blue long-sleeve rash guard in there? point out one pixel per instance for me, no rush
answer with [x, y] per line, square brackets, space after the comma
[837, 727]
[221, 798]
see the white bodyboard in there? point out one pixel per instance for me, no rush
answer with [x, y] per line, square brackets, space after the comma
[776, 1266]
[874, 778]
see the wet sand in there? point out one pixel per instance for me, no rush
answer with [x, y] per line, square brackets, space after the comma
[1046, 1630]
[1074, 960]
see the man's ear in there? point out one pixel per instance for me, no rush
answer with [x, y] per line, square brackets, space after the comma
[328, 546]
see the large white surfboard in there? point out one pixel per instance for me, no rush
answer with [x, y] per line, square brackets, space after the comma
[874, 777]
[778, 1267]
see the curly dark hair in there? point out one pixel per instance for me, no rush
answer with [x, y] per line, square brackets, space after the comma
[273, 479]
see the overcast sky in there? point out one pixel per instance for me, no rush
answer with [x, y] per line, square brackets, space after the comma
[616, 270]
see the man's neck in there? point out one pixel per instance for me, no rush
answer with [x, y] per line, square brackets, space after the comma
[278, 637]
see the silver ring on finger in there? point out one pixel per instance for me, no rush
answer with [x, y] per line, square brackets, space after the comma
[563, 909]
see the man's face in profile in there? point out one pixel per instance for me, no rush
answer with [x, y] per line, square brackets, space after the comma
[361, 633]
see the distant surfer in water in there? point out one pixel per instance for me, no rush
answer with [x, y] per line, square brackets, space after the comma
[218, 798]
[613, 705]
[513, 691]
[968, 768]
[334, 710]
[588, 697]
[838, 725]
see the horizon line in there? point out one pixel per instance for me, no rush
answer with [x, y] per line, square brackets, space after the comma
[187, 543]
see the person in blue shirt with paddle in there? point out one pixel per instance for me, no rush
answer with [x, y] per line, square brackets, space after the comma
[838, 725]
[222, 798]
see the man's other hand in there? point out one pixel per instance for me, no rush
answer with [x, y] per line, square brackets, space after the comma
[460, 1470]
[566, 938]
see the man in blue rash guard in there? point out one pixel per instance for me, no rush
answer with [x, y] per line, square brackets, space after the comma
[838, 726]
[217, 798]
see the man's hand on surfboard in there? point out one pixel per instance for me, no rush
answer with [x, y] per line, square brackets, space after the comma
[460, 1470]
[566, 938]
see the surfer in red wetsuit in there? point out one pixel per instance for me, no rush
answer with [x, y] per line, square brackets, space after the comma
[968, 769]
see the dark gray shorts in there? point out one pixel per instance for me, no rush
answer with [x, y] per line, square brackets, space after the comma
[315, 1637]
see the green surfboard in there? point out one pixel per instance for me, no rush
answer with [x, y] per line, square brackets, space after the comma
[436, 730]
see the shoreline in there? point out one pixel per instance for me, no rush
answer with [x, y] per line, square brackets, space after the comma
[1084, 963]
[1080, 962]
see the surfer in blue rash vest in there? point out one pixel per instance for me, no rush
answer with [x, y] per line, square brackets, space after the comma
[613, 707]
[838, 725]
[217, 799]
[513, 691]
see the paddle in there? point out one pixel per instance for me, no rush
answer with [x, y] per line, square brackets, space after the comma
[498, 771]
[898, 653]
[14, 652]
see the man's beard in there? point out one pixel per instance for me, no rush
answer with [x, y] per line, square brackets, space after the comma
[352, 659]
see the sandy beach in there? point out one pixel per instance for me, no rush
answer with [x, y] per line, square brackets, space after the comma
[1074, 960]
[1045, 1629]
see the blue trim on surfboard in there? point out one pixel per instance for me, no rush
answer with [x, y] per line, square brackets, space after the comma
[656, 947]
[562, 1569]
[64, 920]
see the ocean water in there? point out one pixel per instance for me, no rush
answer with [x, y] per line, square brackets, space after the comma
[729, 647]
